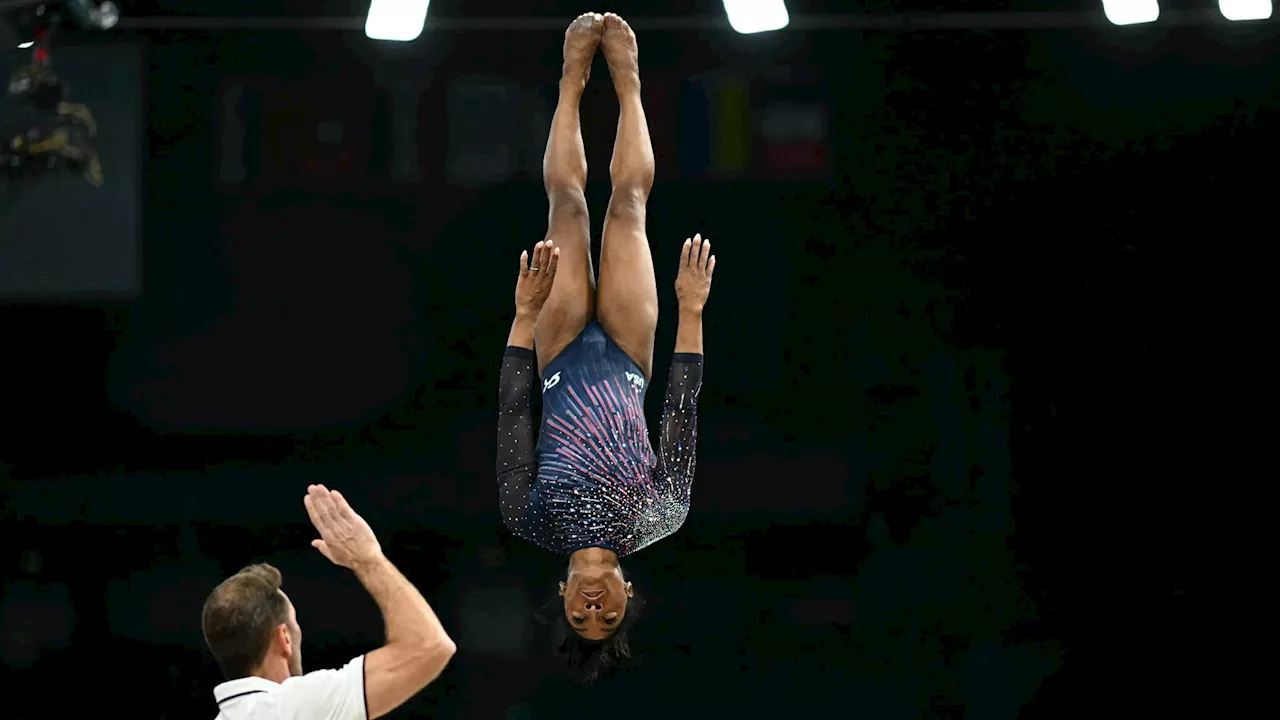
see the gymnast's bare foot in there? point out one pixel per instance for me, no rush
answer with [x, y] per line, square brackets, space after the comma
[580, 43]
[622, 53]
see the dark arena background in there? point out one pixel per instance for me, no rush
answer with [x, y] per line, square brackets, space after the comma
[975, 259]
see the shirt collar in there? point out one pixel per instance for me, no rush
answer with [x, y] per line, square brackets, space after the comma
[242, 686]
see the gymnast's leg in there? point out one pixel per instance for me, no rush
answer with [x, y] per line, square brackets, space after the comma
[564, 174]
[628, 295]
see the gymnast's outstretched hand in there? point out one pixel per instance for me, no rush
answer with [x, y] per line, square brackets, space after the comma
[693, 282]
[536, 278]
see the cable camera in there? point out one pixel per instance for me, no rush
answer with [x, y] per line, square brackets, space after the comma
[44, 132]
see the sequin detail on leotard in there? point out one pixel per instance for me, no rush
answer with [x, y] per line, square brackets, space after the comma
[593, 479]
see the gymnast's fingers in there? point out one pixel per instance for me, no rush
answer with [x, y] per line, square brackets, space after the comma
[684, 252]
[524, 263]
[545, 258]
[711, 268]
[704, 255]
[553, 264]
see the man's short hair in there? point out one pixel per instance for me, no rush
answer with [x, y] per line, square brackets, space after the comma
[239, 616]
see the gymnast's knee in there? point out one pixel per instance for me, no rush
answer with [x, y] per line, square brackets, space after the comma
[627, 204]
[567, 201]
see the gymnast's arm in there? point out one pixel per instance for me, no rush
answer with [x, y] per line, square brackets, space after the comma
[516, 462]
[677, 446]
[678, 436]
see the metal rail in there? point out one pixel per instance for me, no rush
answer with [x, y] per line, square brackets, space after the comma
[1043, 20]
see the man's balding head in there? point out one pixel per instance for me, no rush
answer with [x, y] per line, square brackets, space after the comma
[240, 618]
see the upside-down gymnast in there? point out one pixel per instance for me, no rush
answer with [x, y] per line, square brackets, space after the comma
[592, 487]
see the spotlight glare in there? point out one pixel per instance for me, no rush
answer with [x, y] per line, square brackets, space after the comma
[1245, 9]
[1131, 12]
[756, 16]
[396, 20]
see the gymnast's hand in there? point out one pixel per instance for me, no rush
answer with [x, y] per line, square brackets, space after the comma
[536, 278]
[693, 282]
[345, 538]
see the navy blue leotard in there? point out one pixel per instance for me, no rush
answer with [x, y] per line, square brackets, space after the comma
[591, 478]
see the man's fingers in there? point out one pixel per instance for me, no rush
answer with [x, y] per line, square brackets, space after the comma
[322, 503]
[524, 263]
[704, 254]
[340, 503]
[323, 547]
[684, 252]
[311, 510]
[711, 268]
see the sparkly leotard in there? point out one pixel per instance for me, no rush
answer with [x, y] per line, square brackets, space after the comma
[593, 479]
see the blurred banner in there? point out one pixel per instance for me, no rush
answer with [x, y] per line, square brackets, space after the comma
[314, 135]
[793, 131]
[60, 237]
[714, 126]
[277, 135]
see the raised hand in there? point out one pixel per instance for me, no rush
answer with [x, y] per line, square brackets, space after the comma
[536, 278]
[693, 282]
[345, 538]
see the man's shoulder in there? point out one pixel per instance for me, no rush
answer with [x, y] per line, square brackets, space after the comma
[336, 694]
[354, 669]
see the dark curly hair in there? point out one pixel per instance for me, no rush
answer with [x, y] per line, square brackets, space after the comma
[586, 661]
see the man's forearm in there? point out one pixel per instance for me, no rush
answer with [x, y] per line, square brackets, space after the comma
[689, 332]
[521, 335]
[410, 620]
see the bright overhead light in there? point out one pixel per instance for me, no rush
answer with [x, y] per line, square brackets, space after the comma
[26, 45]
[756, 16]
[1131, 12]
[399, 20]
[1245, 9]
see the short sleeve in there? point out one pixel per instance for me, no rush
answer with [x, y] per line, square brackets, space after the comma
[326, 694]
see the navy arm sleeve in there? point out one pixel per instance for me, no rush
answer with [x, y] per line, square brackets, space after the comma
[678, 442]
[517, 463]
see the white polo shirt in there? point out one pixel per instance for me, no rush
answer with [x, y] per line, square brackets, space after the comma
[319, 695]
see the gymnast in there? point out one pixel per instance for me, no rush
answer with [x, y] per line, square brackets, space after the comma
[589, 485]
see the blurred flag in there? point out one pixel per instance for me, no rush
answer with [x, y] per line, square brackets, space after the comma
[794, 140]
[485, 122]
[315, 135]
[714, 132]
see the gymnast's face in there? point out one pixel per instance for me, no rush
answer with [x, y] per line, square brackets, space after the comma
[595, 600]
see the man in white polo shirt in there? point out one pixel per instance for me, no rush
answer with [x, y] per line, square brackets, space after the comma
[252, 630]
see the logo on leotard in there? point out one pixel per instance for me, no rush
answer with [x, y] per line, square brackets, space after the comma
[551, 382]
[635, 380]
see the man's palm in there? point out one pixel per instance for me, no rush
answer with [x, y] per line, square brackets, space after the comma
[345, 538]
